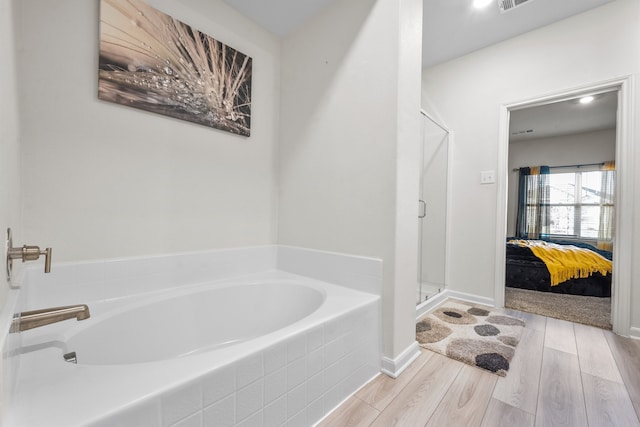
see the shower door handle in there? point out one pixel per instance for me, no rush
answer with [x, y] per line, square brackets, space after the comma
[424, 208]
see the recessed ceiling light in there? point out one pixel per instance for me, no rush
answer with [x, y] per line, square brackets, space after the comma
[479, 4]
[586, 99]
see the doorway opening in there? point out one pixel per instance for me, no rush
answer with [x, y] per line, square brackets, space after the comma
[568, 219]
[561, 194]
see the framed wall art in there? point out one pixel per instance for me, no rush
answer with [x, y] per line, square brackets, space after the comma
[151, 61]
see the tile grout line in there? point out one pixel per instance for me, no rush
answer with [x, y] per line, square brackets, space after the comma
[446, 391]
[584, 397]
[380, 412]
[624, 381]
[495, 384]
[544, 339]
[533, 331]
[370, 407]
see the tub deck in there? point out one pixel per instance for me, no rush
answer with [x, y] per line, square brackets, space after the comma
[297, 373]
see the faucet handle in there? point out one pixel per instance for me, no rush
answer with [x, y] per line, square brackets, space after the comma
[32, 253]
[47, 259]
[26, 253]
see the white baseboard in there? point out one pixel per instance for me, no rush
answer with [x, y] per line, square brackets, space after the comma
[634, 333]
[436, 300]
[471, 298]
[394, 367]
[431, 304]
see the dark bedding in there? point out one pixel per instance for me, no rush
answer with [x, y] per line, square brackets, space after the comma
[526, 271]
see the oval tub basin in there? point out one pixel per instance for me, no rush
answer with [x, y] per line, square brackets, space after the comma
[168, 327]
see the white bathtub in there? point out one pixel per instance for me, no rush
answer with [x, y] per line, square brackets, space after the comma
[267, 349]
[179, 324]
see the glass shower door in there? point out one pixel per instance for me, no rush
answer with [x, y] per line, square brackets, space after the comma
[432, 210]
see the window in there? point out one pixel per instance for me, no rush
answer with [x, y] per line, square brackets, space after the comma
[571, 203]
[575, 203]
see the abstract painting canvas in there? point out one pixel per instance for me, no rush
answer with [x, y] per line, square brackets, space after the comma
[151, 61]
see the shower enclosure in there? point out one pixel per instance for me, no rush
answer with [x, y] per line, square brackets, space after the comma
[432, 209]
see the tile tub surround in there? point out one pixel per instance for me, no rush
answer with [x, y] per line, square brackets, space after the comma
[295, 379]
[73, 283]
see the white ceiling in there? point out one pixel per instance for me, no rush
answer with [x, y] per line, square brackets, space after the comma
[563, 118]
[281, 17]
[453, 28]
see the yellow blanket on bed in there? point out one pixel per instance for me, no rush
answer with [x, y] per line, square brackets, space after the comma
[566, 262]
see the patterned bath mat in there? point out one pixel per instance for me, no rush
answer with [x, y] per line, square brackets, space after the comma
[471, 334]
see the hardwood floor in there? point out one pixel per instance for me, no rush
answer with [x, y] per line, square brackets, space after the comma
[562, 374]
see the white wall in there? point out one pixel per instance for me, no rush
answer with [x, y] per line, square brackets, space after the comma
[101, 180]
[350, 116]
[9, 136]
[575, 149]
[595, 46]
[10, 189]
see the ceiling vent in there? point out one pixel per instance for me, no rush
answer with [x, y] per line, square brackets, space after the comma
[522, 132]
[507, 5]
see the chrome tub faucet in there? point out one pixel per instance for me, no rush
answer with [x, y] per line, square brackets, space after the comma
[36, 318]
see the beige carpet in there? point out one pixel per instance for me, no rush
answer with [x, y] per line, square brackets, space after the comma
[592, 311]
[471, 334]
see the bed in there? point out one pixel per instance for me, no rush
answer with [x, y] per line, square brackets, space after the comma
[525, 270]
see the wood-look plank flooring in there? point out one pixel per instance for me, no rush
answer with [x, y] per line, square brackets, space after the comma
[562, 374]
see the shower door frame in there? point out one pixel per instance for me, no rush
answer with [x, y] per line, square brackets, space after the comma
[423, 305]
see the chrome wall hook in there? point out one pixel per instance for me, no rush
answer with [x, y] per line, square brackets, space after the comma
[26, 253]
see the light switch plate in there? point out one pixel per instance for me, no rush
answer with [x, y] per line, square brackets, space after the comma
[488, 177]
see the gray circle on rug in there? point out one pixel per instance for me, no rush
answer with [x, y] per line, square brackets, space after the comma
[493, 362]
[486, 330]
[423, 325]
[478, 311]
[455, 316]
[436, 331]
[466, 349]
